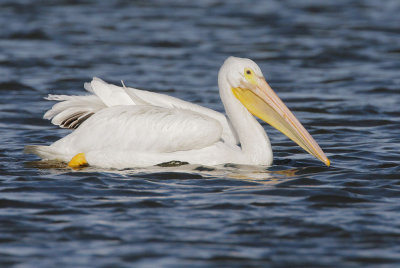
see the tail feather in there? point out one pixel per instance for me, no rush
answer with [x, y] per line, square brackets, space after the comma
[44, 152]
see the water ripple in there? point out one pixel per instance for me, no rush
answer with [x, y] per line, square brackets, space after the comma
[336, 66]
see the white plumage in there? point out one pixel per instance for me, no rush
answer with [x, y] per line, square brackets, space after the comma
[121, 127]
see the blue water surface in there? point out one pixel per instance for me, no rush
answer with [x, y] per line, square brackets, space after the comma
[336, 64]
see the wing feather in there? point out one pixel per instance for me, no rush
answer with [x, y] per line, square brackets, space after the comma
[161, 100]
[65, 113]
[109, 94]
[75, 120]
[142, 129]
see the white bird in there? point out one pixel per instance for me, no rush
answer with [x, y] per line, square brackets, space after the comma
[122, 127]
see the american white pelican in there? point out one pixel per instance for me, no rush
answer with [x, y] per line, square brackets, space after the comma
[122, 127]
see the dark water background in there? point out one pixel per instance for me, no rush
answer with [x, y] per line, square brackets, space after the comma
[336, 64]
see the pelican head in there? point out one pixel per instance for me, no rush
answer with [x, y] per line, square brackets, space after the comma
[248, 85]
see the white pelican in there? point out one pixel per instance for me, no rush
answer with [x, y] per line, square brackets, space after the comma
[121, 127]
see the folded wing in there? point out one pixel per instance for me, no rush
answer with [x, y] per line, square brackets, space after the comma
[142, 128]
[72, 111]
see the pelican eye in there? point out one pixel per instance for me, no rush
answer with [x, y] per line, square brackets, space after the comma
[249, 75]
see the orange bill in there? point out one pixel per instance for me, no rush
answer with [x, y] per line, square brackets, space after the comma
[262, 101]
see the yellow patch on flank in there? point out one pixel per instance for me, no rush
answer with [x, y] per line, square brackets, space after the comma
[78, 161]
